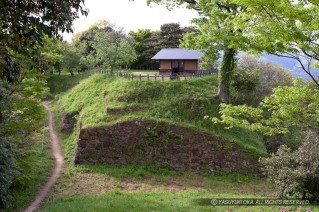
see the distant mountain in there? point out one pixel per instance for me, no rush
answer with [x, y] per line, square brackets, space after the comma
[291, 65]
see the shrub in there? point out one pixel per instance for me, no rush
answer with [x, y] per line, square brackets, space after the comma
[295, 173]
[8, 173]
[255, 79]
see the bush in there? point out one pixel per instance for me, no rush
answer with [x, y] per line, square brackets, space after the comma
[255, 79]
[8, 173]
[295, 173]
[292, 139]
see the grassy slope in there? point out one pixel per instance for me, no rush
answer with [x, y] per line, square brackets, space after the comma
[112, 188]
[59, 84]
[180, 102]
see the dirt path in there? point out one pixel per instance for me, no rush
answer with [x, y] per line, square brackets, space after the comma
[56, 151]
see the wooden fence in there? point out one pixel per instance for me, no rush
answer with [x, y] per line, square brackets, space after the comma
[132, 76]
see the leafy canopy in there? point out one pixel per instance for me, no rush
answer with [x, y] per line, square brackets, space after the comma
[113, 49]
[23, 24]
[286, 28]
[286, 109]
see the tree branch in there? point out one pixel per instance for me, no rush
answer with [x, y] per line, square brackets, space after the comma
[302, 66]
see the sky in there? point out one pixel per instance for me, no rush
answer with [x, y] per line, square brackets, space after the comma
[130, 15]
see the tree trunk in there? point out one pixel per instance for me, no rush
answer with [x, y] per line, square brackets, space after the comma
[1, 117]
[112, 70]
[226, 74]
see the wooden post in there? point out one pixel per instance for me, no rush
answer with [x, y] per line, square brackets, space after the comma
[155, 77]
[132, 77]
[140, 77]
[162, 78]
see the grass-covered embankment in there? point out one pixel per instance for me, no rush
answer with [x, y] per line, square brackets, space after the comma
[179, 102]
[143, 188]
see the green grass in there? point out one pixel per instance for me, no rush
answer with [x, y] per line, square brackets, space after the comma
[153, 201]
[59, 84]
[179, 102]
[35, 163]
[163, 174]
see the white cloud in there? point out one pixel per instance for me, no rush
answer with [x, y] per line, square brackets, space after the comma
[131, 15]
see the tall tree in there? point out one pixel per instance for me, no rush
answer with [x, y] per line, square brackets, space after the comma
[51, 54]
[141, 40]
[147, 43]
[113, 49]
[23, 24]
[217, 32]
[286, 28]
[70, 58]
[171, 33]
[83, 40]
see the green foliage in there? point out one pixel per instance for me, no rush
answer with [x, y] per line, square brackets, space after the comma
[50, 54]
[296, 174]
[83, 40]
[8, 171]
[23, 25]
[292, 140]
[143, 47]
[58, 84]
[255, 79]
[35, 88]
[287, 108]
[34, 167]
[6, 91]
[22, 118]
[102, 45]
[113, 49]
[218, 32]
[287, 28]
[147, 43]
[70, 58]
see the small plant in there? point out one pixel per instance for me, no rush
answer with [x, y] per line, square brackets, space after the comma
[296, 174]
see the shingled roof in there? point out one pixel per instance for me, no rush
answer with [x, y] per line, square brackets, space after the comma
[177, 54]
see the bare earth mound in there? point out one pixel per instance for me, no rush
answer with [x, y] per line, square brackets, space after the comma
[164, 145]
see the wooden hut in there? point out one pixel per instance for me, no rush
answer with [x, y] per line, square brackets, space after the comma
[178, 61]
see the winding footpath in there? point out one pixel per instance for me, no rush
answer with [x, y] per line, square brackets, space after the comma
[57, 153]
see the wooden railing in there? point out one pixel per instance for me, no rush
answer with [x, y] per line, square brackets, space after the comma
[132, 76]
